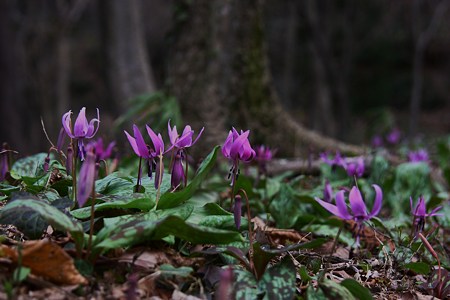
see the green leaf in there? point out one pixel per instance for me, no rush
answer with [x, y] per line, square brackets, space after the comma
[21, 209]
[278, 281]
[418, 267]
[212, 215]
[137, 231]
[357, 290]
[169, 270]
[29, 167]
[285, 207]
[132, 201]
[333, 290]
[21, 273]
[169, 200]
[245, 285]
[303, 272]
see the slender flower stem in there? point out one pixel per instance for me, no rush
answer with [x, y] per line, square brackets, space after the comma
[91, 224]
[250, 232]
[233, 182]
[136, 188]
[74, 171]
[336, 240]
[161, 170]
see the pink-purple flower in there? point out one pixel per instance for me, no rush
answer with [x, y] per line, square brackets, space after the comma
[333, 162]
[237, 148]
[358, 212]
[180, 143]
[263, 155]
[327, 192]
[4, 162]
[82, 128]
[149, 153]
[354, 166]
[419, 213]
[394, 136]
[86, 177]
[418, 156]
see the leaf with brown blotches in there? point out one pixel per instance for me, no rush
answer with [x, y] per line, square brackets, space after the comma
[48, 260]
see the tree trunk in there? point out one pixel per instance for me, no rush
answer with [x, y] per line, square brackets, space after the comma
[220, 73]
[131, 72]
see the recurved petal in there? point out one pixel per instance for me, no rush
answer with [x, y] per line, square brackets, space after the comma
[92, 129]
[133, 144]
[331, 208]
[66, 123]
[357, 203]
[378, 201]
[140, 143]
[173, 133]
[434, 212]
[238, 143]
[198, 136]
[227, 145]
[157, 141]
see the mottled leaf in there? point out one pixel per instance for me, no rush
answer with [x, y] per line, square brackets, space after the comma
[278, 282]
[169, 200]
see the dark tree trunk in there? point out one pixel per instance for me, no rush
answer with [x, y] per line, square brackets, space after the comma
[131, 73]
[219, 72]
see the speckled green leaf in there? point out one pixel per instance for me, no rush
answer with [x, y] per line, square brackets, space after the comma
[278, 282]
[136, 231]
[335, 291]
[245, 285]
[29, 167]
[29, 209]
[169, 200]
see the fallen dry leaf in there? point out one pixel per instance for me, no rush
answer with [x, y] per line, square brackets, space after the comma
[48, 260]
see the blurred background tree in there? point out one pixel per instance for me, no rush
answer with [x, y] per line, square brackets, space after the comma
[337, 67]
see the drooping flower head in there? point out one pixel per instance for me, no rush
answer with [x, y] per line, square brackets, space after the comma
[333, 162]
[101, 152]
[327, 192]
[180, 143]
[4, 161]
[418, 156]
[87, 176]
[419, 213]
[394, 136]
[82, 128]
[185, 140]
[263, 155]
[148, 153]
[354, 166]
[358, 212]
[377, 141]
[237, 148]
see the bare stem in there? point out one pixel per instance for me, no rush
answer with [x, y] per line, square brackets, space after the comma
[161, 170]
[250, 232]
[91, 229]
[136, 189]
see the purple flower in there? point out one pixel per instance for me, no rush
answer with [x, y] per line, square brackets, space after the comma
[359, 212]
[237, 211]
[327, 192]
[263, 155]
[333, 162]
[354, 166]
[4, 162]
[419, 213]
[101, 152]
[82, 128]
[185, 140]
[137, 143]
[150, 154]
[180, 143]
[87, 177]
[178, 175]
[418, 156]
[394, 136]
[236, 148]
[377, 141]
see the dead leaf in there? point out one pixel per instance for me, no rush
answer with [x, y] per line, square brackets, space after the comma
[278, 236]
[370, 236]
[48, 260]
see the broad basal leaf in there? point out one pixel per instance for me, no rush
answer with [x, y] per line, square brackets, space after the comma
[137, 231]
[22, 209]
[169, 200]
[278, 282]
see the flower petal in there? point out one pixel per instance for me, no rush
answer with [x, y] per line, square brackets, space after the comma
[356, 203]
[173, 133]
[238, 143]
[141, 145]
[378, 200]
[133, 144]
[81, 124]
[92, 130]
[157, 141]
[66, 120]
[331, 208]
[342, 207]
[227, 145]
